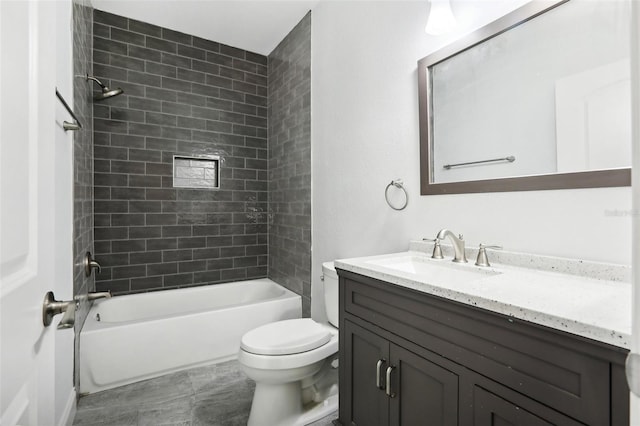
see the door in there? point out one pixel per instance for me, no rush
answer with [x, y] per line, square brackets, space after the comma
[365, 402]
[635, 182]
[29, 197]
[425, 393]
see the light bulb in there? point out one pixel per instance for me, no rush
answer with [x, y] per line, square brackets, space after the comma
[441, 19]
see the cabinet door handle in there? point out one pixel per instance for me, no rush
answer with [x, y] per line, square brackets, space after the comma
[390, 394]
[379, 365]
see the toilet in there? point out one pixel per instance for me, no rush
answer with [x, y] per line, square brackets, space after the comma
[295, 365]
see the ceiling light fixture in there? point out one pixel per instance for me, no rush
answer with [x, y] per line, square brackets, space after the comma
[441, 19]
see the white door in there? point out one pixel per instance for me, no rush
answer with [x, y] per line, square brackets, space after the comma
[28, 148]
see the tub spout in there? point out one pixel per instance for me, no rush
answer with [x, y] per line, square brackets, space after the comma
[98, 295]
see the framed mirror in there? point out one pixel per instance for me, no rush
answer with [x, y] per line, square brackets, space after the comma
[538, 99]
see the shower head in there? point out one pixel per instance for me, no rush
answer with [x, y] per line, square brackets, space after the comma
[106, 92]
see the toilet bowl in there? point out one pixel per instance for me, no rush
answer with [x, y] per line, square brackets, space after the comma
[294, 364]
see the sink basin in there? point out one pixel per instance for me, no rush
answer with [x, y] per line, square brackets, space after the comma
[433, 271]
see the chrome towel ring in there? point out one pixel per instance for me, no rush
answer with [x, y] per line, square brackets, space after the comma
[400, 185]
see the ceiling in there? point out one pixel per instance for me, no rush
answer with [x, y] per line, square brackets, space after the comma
[254, 25]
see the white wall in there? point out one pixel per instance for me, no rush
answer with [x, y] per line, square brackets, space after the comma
[365, 133]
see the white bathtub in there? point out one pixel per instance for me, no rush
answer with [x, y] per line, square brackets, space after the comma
[135, 337]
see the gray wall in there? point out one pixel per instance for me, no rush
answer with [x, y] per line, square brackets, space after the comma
[290, 162]
[82, 165]
[186, 96]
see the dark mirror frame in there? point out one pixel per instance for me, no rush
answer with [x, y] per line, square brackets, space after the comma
[589, 179]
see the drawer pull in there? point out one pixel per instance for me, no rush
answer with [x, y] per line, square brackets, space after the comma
[379, 365]
[390, 394]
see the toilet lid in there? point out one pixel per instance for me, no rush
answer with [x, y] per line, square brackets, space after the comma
[285, 337]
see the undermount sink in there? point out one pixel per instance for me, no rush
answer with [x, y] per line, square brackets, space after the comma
[433, 271]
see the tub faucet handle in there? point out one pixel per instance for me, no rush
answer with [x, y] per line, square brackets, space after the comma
[90, 264]
[98, 295]
[52, 307]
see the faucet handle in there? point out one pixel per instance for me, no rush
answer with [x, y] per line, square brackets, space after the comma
[437, 250]
[482, 259]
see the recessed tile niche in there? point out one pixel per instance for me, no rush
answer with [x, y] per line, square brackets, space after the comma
[196, 172]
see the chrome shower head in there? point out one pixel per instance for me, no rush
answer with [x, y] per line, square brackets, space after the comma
[106, 92]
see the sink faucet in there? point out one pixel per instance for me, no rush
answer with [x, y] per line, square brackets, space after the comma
[457, 242]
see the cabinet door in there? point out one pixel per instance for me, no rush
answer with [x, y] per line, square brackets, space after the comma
[425, 393]
[366, 355]
[490, 409]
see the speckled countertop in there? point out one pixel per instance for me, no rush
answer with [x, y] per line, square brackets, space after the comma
[588, 299]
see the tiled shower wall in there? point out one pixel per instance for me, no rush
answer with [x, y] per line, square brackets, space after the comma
[82, 163]
[183, 96]
[290, 162]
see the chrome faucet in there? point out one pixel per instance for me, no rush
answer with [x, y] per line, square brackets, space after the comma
[457, 242]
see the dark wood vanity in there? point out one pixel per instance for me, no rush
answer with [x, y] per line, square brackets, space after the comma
[410, 358]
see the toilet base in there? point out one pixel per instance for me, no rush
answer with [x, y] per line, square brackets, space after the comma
[287, 404]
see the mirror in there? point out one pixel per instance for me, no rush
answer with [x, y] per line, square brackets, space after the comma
[539, 99]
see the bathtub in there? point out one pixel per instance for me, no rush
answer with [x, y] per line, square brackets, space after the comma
[130, 338]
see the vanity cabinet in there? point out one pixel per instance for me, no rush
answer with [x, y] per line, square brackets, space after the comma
[410, 358]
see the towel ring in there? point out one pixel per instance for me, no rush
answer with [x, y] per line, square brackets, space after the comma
[398, 184]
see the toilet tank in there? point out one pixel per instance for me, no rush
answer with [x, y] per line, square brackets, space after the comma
[330, 292]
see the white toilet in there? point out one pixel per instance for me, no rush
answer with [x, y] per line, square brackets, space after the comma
[295, 365]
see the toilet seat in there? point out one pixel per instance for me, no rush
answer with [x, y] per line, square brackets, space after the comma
[286, 337]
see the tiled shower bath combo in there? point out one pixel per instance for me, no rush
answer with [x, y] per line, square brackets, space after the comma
[195, 99]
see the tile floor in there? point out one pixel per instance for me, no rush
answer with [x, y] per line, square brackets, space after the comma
[217, 395]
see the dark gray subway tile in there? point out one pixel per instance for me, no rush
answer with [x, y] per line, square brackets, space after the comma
[206, 276]
[145, 129]
[175, 84]
[256, 58]
[127, 246]
[110, 19]
[128, 219]
[125, 114]
[127, 36]
[191, 52]
[178, 61]
[145, 232]
[131, 167]
[145, 54]
[233, 274]
[145, 206]
[161, 69]
[111, 206]
[217, 264]
[144, 78]
[101, 30]
[177, 280]
[192, 266]
[209, 45]
[161, 44]
[162, 244]
[147, 283]
[202, 67]
[145, 155]
[176, 109]
[129, 271]
[145, 257]
[163, 268]
[177, 255]
[192, 242]
[109, 45]
[232, 73]
[110, 179]
[144, 28]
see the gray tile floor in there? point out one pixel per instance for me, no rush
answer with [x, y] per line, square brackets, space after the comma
[217, 395]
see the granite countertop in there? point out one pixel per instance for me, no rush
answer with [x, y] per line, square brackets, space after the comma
[587, 299]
